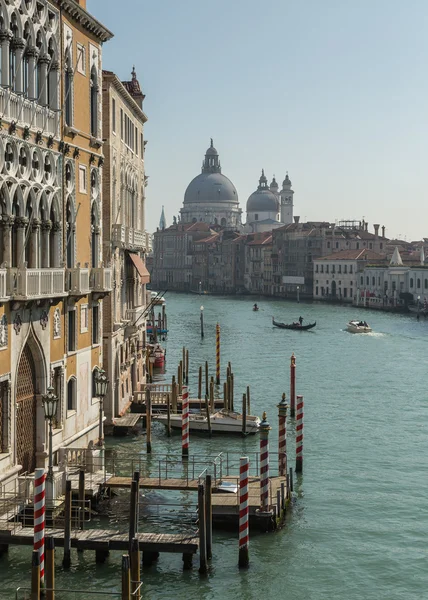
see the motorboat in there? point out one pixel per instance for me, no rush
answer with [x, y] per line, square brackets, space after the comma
[158, 353]
[157, 298]
[222, 421]
[297, 326]
[358, 327]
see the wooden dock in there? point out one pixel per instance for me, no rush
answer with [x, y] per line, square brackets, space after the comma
[153, 483]
[104, 540]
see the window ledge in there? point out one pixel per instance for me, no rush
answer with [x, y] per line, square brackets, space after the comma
[71, 413]
[95, 142]
[71, 131]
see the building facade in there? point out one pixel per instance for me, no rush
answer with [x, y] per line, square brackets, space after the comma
[125, 240]
[52, 277]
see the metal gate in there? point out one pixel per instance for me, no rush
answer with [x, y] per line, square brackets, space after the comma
[26, 412]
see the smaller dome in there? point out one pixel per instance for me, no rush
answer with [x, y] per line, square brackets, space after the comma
[273, 184]
[286, 181]
[262, 200]
[211, 150]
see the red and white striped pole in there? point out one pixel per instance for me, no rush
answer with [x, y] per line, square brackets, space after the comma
[264, 464]
[244, 531]
[282, 437]
[185, 422]
[39, 519]
[293, 386]
[299, 435]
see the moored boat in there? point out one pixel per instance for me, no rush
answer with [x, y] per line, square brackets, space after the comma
[158, 353]
[222, 421]
[297, 326]
[358, 327]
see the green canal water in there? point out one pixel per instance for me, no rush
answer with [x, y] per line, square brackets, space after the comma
[359, 525]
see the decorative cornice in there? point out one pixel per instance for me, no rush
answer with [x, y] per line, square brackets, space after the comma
[80, 15]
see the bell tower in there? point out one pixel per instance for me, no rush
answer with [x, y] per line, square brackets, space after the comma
[286, 196]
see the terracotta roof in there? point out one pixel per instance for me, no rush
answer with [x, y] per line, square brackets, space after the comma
[363, 254]
[209, 239]
[262, 239]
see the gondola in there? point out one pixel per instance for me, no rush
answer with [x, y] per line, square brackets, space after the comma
[293, 325]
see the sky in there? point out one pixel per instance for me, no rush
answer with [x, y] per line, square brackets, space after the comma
[333, 91]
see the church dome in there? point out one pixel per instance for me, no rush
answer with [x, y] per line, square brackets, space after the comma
[210, 188]
[262, 200]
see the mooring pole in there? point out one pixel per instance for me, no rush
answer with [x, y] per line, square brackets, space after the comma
[244, 536]
[50, 568]
[200, 383]
[264, 464]
[244, 415]
[207, 408]
[135, 569]
[82, 497]
[148, 421]
[217, 354]
[126, 578]
[168, 415]
[202, 321]
[212, 394]
[293, 386]
[185, 424]
[187, 367]
[66, 561]
[248, 401]
[209, 516]
[299, 435]
[35, 576]
[133, 512]
[207, 391]
[282, 437]
[39, 519]
[203, 566]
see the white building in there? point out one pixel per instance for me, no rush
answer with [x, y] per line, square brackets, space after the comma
[267, 208]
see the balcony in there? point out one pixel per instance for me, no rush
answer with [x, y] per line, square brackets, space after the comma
[4, 296]
[101, 280]
[78, 281]
[128, 237]
[23, 111]
[37, 283]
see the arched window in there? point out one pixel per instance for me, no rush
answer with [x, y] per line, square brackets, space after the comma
[68, 89]
[94, 102]
[72, 394]
[418, 283]
[373, 280]
[95, 237]
[426, 283]
[223, 222]
[71, 232]
[411, 282]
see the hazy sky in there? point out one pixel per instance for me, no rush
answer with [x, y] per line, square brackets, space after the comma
[334, 91]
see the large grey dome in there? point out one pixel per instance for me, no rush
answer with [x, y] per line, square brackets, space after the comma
[210, 188]
[262, 201]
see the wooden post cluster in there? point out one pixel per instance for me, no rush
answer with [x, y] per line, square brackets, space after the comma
[299, 435]
[35, 575]
[293, 386]
[264, 464]
[207, 391]
[212, 394]
[244, 414]
[66, 561]
[244, 530]
[82, 498]
[187, 367]
[202, 321]
[174, 393]
[200, 384]
[185, 423]
[282, 437]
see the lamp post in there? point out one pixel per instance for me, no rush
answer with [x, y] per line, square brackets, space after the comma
[298, 297]
[202, 321]
[419, 303]
[101, 385]
[50, 406]
[200, 287]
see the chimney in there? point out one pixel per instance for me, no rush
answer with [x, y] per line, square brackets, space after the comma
[383, 231]
[376, 230]
[296, 219]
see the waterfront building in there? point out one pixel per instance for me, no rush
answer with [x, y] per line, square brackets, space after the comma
[336, 276]
[52, 275]
[211, 197]
[125, 240]
[258, 262]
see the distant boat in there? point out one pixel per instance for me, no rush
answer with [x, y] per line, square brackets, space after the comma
[255, 308]
[295, 326]
[358, 327]
[222, 421]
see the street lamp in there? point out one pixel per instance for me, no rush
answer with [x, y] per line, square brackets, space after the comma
[101, 385]
[50, 406]
[200, 287]
[298, 290]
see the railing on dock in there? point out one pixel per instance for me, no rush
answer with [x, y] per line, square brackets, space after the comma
[25, 594]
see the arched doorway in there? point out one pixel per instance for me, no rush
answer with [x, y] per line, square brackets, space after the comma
[26, 412]
[333, 289]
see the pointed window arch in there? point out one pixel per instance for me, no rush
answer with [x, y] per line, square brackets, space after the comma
[94, 102]
[95, 229]
[68, 88]
[71, 234]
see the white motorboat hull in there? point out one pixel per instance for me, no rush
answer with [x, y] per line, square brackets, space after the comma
[354, 328]
[220, 422]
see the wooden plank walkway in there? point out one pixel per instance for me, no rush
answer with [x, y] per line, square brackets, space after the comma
[104, 539]
[227, 503]
[128, 420]
[153, 483]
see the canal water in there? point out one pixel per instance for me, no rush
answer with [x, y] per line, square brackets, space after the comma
[359, 525]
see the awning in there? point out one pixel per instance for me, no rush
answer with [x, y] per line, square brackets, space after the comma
[140, 266]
